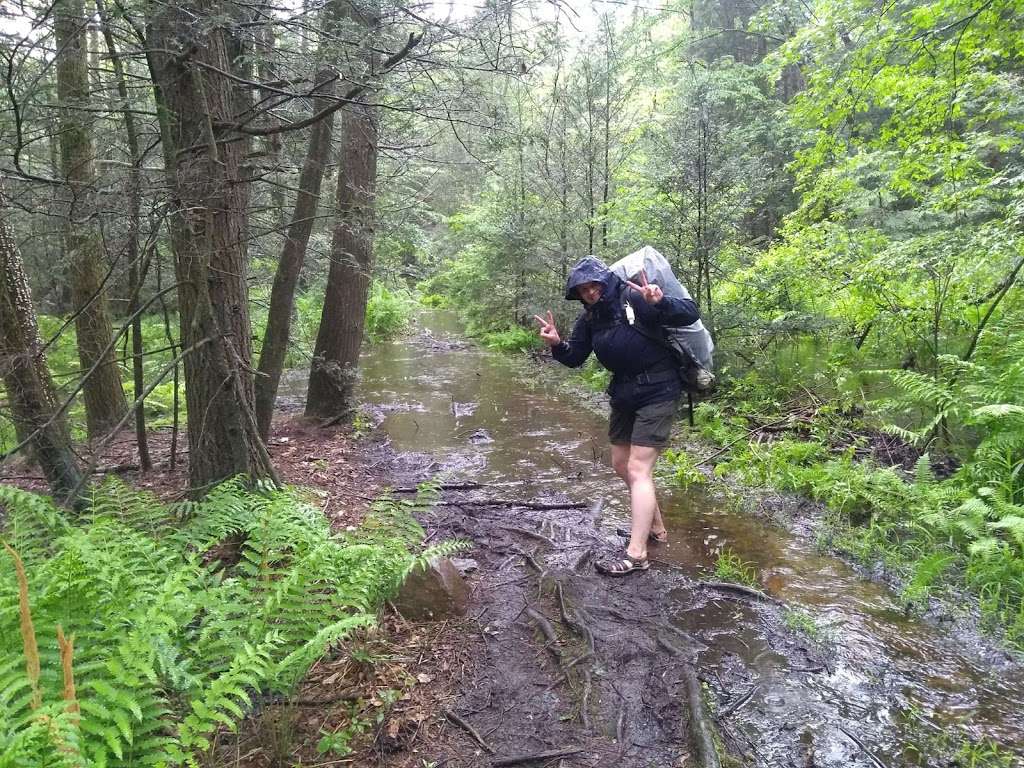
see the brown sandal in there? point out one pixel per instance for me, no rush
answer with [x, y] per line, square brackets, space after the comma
[613, 566]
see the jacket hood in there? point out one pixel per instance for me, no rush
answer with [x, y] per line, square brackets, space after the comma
[589, 269]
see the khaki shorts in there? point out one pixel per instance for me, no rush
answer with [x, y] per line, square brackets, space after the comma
[648, 426]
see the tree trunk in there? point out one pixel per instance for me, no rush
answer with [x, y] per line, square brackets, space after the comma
[25, 373]
[208, 227]
[336, 355]
[136, 277]
[293, 255]
[103, 395]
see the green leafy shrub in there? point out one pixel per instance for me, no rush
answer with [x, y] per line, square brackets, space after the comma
[387, 313]
[513, 339]
[180, 615]
[684, 472]
[594, 375]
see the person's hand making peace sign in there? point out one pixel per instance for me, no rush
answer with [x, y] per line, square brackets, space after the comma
[548, 332]
[652, 293]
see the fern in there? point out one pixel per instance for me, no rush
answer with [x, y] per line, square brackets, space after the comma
[180, 613]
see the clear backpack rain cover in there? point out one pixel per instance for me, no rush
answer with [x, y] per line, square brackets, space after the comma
[694, 337]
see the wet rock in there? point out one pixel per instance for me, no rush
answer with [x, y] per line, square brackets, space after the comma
[433, 592]
[481, 436]
[465, 565]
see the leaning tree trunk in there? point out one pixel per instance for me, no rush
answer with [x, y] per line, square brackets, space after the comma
[336, 354]
[25, 373]
[208, 227]
[104, 398]
[282, 295]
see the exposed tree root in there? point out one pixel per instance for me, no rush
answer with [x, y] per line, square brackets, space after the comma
[701, 730]
[547, 630]
[469, 729]
[535, 756]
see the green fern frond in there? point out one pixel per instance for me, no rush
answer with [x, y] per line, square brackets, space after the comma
[171, 640]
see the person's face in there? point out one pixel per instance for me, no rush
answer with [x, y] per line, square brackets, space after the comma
[590, 292]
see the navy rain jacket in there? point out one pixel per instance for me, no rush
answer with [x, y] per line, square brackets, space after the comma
[641, 367]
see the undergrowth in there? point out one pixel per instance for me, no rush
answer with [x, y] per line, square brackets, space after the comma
[929, 532]
[130, 634]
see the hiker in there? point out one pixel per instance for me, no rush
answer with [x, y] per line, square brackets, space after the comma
[644, 390]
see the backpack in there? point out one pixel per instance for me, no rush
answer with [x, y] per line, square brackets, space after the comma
[691, 344]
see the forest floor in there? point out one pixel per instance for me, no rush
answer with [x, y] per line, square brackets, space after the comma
[551, 665]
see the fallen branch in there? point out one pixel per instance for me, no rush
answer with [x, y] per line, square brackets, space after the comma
[742, 702]
[744, 436]
[469, 729]
[527, 533]
[728, 586]
[442, 487]
[863, 748]
[532, 757]
[539, 505]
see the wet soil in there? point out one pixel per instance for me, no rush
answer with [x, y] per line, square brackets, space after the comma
[566, 659]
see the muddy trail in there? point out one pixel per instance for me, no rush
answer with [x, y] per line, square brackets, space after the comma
[587, 668]
[569, 668]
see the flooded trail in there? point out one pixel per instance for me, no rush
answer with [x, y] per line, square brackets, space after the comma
[875, 689]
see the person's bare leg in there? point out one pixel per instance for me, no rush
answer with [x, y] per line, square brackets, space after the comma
[620, 463]
[643, 503]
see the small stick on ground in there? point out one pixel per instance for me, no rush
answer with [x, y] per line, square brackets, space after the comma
[498, 762]
[529, 534]
[442, 487]
[742, 702]
[863, 748]
[469, 729]
[567, 666]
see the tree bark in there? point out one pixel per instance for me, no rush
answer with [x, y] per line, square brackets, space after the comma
[293, 255]
[25, 373]
[336, 354]
[104, 398]
[208, 225]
